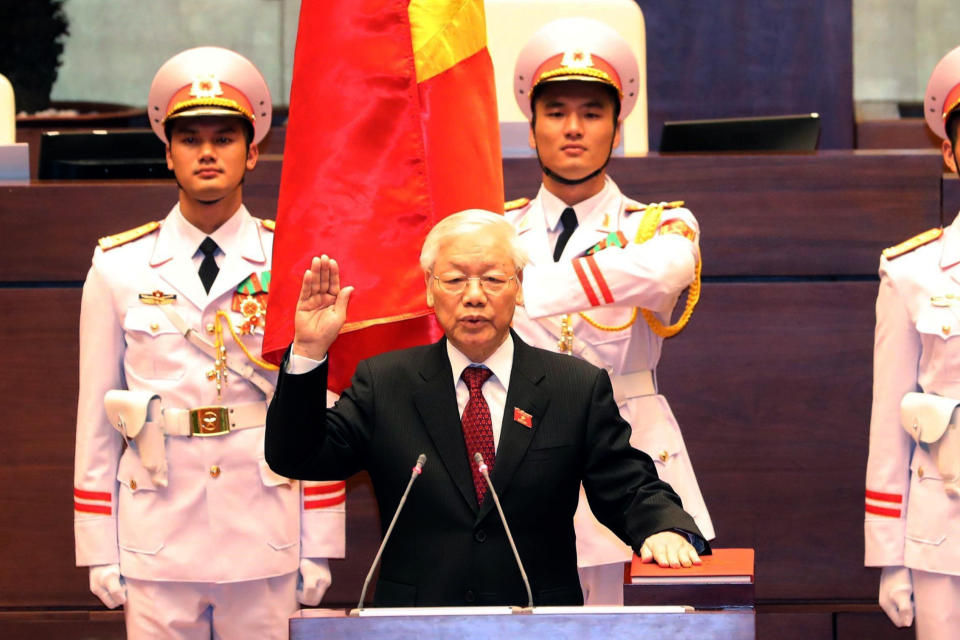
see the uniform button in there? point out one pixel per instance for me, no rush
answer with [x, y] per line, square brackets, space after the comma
[214, 471]
[133, 484]
[480, 536]
[945, 329]
[154, 326]
[920, 472]
[469, 596]
[210, 328]
[664, 456]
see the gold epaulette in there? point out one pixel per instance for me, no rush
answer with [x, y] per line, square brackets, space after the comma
[513, 205]
[269, 225]
[916, 241]
[676, 204]
[112, 242]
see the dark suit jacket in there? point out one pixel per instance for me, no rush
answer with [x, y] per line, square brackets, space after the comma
[445, 550]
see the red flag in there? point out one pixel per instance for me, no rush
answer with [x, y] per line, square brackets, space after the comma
[393, 125]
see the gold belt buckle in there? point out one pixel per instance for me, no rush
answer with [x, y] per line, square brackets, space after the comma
[209, 421]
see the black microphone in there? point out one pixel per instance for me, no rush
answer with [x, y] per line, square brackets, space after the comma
[482, 466]
[414, 474]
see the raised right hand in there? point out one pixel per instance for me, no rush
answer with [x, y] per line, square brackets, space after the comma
[321, 309]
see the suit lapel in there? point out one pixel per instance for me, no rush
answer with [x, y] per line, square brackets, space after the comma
[436, 401]
[525, 394]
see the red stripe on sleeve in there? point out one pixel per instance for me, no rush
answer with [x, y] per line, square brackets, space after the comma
[317, 490]
[92, 495]
[886, 497]
[92, 508]
[587, 289]
[601, 282]
[881, 511]
[324, 502]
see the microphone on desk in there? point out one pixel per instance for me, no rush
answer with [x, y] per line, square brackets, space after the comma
[482, 467]
[414, 474]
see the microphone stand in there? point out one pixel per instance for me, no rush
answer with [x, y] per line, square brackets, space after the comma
[481, 465]
[414, 474]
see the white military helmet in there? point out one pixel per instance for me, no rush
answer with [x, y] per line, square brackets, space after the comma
[209, 81]
[943, 93]
[577, 49]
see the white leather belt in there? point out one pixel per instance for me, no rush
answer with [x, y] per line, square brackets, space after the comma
[633, 385]
[214, 421]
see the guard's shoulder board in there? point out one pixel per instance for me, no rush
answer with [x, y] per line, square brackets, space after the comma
[631, 207]
[112, 242]
[269, 225]
[915, 242]
[513, 205]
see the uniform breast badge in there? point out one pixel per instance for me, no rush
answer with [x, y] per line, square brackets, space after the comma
[157, 297]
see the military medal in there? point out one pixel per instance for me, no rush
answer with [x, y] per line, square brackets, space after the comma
[613, 239]
[250, 299]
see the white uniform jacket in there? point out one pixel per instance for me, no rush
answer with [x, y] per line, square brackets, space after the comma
[225, 516]
[607, 286]
[910, 520]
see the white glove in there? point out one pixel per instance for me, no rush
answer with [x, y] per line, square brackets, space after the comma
[896, 595]
[313, 581]
[106, 584]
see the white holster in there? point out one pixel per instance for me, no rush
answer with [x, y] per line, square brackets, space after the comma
[138, 416]
[932, 420]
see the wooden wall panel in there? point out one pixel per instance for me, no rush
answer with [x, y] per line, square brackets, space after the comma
[751, 57]
[770, 383]
[39, 376]
[785, 215]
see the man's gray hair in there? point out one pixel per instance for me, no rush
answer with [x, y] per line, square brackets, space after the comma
[466, 222]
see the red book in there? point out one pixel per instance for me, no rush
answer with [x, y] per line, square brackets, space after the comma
[724, 566]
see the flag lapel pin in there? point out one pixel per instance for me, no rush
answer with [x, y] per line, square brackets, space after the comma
[524, 418]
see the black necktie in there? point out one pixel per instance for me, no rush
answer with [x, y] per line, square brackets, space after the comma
[208, 267]
[569, 221]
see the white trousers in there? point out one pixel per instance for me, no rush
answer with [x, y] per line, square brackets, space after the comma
[937, 600]
[205, 610]
[602, 583]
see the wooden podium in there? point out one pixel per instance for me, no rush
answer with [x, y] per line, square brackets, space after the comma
[557, 623]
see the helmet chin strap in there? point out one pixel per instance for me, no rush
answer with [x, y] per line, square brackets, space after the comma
[547, 171]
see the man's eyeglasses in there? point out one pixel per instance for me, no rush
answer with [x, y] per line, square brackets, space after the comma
[491, 283]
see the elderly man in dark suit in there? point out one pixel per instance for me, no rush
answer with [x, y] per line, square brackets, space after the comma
[543, 421]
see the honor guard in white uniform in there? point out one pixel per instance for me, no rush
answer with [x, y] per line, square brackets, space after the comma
[176, 513]
[912, 520]
[605, 271]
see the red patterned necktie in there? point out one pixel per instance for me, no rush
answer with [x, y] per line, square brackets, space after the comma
[477, 427]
